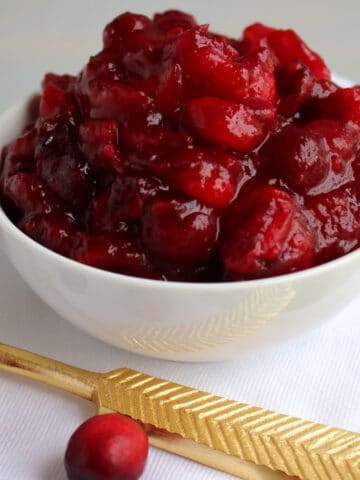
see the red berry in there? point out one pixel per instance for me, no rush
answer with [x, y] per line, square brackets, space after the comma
[119, 102]
[106, 66]
[266, 234]
[342, 104]
[199, 174]
[18, 156]
[295, 84]
[179, 231]
[116, 252]
[157, 72]
[107, 447]
[229, 124]
[298, 156]
[57, 96]
[69, 177]
[56, 136]
[55, 230]
[99, 143]
[335, 217]
[212, 68]
[173, 19]
[123, 200]
[287, 47]
[313, 158]
[123, 27]
[29, 194]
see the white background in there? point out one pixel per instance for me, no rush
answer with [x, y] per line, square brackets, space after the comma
[316, 377]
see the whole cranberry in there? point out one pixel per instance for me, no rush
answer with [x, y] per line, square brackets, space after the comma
[107, 447]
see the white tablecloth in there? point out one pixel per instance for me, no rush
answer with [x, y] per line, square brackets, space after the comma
[316, 377]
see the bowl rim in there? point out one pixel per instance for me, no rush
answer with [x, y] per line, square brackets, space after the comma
[7, 225]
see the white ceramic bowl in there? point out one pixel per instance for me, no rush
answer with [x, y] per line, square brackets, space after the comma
[173, 320]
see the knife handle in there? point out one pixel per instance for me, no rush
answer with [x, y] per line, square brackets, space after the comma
[72, 379]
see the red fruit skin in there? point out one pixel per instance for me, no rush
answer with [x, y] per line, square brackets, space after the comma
[119, 102]
[98, 141]
[204, 175]
[67, 176]
[265, 234]
[55, 230]
[211, 67]
[342, 104]
[229, 124]
[126, 30]
[107, 447]
[173, 19]
[157, 72]
[123, 200]
[296, 155]
[179, 231]
[57, 96]
[56, 136]
[29, 194]
[335, 218]
[116, 252]
[295, 84]
[18, 156]
[314, 158]
[287, 46]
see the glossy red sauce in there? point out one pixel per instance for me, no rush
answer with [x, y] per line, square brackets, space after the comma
[181, 154]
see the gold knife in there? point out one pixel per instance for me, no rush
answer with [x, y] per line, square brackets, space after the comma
[248, 442]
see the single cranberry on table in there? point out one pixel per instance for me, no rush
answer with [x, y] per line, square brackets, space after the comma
[107, 447]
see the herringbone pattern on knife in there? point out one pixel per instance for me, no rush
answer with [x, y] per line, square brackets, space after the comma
[305, 449]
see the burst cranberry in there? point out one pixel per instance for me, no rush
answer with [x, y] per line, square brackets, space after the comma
[287, 47]
[157, 72]
[198, 174]
[313, 158]
[67, 176]
[18, 156]
[29, 194]
[119, 102]
[125, 26]
[55, 230]
[115, 252]
[107, 447]
[266, 234]
[56, 136]
[212, 68]
[343, 104]
[335, 217]
[229, 124]
[99, 143]
[173, 19]
[295, 84]
[124, 200]
[298, 156]
[179, 231]
[57, 97]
